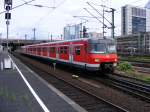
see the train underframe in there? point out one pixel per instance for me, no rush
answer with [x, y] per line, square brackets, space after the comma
[104, 67]
[107, 67]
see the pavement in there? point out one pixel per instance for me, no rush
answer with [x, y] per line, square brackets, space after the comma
[22, 90]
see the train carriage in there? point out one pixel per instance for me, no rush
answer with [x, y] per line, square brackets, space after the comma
[86, 53]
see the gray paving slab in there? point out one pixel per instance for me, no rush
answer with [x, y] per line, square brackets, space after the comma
[14, 94]
[16, 97]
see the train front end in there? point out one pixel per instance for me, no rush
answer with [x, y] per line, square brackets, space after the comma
[102, 54]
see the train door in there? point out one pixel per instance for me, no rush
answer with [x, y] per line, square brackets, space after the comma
[57, 52]
[48, 51]
[79, 53]
[35, 50]
[70, 53]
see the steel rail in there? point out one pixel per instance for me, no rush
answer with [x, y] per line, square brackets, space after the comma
[140, 90]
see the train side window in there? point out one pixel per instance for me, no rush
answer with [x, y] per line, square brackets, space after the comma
[34, 49]
[39, 49]
[77, 50]
[31, 49]
[61, 50]
[65, 50]
[52, 49]
[44, 49]
[48, 49]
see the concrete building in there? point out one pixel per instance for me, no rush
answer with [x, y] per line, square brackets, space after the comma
[134, 20]
[136, 44]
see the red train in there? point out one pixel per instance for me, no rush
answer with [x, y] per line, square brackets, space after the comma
[86, 53]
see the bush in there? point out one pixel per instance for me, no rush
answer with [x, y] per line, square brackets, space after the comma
[125, 66]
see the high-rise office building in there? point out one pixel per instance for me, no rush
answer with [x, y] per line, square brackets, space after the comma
[148, 5]
[134, 20]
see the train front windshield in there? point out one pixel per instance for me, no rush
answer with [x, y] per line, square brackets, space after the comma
[97, 48]
[102, 48]
[111, 48]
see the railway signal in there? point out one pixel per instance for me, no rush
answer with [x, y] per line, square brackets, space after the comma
[7, 7]
[7, 3]
[7, 15]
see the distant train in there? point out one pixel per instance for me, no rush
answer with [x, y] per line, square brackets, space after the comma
[85, 53]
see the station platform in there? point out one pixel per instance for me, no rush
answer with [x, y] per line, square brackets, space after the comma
[22, 90]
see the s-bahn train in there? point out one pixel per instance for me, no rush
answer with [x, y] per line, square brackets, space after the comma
[85, 53]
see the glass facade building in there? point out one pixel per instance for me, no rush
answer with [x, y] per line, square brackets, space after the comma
[135, 20]
[124, 21]
[72, 31]
[148, 5]
[138, 25]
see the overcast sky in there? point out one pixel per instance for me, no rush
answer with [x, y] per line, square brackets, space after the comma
[48, 21]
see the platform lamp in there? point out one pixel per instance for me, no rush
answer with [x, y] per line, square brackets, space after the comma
[7, 7]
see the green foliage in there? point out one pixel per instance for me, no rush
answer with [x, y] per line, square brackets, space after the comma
[125, 66]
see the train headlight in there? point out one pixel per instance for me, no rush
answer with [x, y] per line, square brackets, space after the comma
[115, 60]
[97, 60]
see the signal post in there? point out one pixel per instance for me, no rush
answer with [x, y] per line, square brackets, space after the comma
[7, 7]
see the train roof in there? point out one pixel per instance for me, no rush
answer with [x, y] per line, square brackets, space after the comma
[74, 40]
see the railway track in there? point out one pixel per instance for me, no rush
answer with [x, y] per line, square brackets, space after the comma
[142, 69]
[129, 85]
[139, 90]
[89, 106]
[85, 98]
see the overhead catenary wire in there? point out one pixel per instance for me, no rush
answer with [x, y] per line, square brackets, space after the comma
[18, 6]
[35, 5]
[99, 13]
[43, 17]
[94, 16]
[118, 8]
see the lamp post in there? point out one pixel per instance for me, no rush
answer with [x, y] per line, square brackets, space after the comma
[34, 37]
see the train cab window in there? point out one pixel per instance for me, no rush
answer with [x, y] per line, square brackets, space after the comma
[98, 48]
[77, 50]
